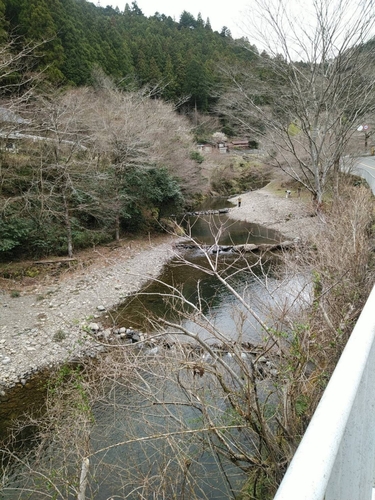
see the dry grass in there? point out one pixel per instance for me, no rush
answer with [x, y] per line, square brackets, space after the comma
[339, 264]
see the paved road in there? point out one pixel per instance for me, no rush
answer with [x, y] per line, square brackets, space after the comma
[365, 167]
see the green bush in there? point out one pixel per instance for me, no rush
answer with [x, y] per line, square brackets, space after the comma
[197, 157]
[85, 238]
[158, 195]
[13, 234]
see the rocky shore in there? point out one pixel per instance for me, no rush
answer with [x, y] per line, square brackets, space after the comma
[294, 217]
[48, 322]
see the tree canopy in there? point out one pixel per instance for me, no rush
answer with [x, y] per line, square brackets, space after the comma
[310, 88]
[127, 45]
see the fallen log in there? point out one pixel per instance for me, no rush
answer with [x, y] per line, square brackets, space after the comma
[244, 248]
[56, 261]
[262, 247]
[207, 212]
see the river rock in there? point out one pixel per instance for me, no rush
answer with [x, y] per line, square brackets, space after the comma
[153, 351]
[77, 299]
[136, 337]
[94, 327]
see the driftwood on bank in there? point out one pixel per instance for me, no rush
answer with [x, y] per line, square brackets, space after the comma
[244, 248]
[207, 212]
[56, 261]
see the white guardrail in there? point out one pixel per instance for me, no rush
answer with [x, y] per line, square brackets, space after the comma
[370, 178]
[336, 457]
[352, 165]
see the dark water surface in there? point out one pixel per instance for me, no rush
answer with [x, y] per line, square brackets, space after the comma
[138, 312]
[221, 229]
[189, 276]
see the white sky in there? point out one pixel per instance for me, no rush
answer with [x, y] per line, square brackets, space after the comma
[220, 12]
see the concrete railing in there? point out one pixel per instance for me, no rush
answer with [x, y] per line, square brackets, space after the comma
[336, 457]
[365, 174]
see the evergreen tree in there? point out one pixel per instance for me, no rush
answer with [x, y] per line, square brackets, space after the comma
[3, 22]
[38, 25]
[197, 84]
[81, 36]
[154, 74]
[200, 22]
[169, 80]
[187, 20]
[79, 54]
[136, 10]
[225, 32]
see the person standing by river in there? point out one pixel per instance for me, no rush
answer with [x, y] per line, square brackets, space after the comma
[239, 201]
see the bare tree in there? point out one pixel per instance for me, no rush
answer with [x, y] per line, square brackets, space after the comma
[134, 132]
[65, 181]
[17, 83]
[89, 151]
[145, 418]
[17, 60]
[311, 87]
[53, 184]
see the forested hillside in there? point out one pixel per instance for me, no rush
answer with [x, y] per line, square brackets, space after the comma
[91, 144]
[183, 57]
[114, 160]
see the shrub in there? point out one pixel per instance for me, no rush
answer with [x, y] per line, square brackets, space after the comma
[197, 157]
[13, 234]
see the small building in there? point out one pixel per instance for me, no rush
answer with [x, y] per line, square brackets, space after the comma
[239, 144]
[8, 116]
[205, 148]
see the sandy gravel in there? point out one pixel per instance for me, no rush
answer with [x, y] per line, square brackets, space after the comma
[48, 322]
[293, 217]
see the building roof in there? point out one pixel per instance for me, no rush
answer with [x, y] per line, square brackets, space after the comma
[7, 115]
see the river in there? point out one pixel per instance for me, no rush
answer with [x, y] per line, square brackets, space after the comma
[189, 276]
[153, 469]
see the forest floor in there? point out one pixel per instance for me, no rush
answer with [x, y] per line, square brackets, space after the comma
[45, 308]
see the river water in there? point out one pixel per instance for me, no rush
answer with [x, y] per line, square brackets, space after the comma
[120, 410]
[188, 275]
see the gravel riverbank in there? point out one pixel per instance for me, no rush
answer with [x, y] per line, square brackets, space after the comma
[293, 217]
[47, 323]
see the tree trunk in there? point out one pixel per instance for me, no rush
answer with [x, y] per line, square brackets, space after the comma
[117, 227]
[68, 227]
[83, 479]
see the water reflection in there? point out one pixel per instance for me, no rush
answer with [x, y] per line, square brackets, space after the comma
[129, 455]
[191, 284]
[123, 412]
[190, 280]
[221, 229]
[181, 466]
